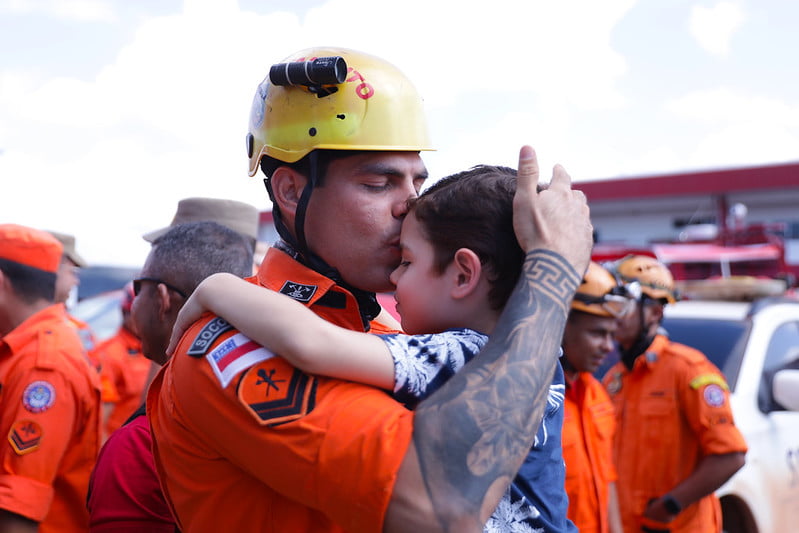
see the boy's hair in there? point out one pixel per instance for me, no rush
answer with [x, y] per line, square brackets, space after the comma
[28, 283]
[474, 209]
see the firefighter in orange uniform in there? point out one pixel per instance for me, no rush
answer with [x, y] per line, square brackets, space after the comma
[589, 422]
[123, 369]
[49, 400]
[243, 441]
[676, 440]
[67, 282]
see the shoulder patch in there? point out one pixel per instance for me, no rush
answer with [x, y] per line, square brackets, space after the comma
[615, 383]
[38, 397]
[25, 436]
[234, 355]
[299, 291]
[708, 379]
[714, 395]
[206, 337]
[275, 392]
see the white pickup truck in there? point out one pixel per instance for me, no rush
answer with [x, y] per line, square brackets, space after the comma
[756, 345]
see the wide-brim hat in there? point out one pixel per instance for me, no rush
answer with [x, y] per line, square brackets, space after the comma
[68, 241]
[30, 247]
[238, 216]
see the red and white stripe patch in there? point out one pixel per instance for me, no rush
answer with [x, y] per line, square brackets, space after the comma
[235, 354]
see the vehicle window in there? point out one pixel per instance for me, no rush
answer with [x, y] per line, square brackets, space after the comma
[101, 312]
[782, 353]
[722, 341]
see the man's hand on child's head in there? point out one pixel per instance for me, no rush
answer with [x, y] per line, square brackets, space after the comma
[556, 218]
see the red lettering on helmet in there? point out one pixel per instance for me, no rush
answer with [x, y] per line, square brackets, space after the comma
[363, 90]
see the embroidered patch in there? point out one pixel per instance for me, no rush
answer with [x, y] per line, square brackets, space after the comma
[25, 436]
[707, 379]
[38, 397]
[615, 384]
[234, 355]
[275, 392]
[714, 395]
[206, 337]
[299, 291]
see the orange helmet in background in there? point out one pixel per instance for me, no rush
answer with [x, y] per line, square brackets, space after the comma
[654, 278]
[601, 294]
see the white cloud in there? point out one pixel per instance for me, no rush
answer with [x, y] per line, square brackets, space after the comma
[504, 47]
[76, 10]
[713, 28]
[737, 128]
[746, 143]
[728, 105]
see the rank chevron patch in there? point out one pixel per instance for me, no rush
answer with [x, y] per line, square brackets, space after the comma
[25, 436]
[275, 392]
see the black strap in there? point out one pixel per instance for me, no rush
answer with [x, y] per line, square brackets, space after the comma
[141, 411]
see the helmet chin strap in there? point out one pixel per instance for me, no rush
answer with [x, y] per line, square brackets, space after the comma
[367, 301]
[299, 244]
[641, 343]
[302, 204]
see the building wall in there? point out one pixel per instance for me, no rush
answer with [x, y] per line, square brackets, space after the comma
[642, 220]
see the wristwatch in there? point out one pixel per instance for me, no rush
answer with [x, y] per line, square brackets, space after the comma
[671, 504]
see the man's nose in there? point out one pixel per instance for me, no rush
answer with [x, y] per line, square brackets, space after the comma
[405, 193]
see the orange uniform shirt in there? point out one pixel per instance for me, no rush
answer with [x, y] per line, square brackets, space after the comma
[50, 423]
[245, 442]
[672, 409]
[84, 331]
[588, 428]
[125, 369]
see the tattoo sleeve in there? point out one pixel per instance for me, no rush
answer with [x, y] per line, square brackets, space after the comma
[474, 433]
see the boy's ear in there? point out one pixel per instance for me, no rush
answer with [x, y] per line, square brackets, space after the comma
[287, 186]
[467, 273]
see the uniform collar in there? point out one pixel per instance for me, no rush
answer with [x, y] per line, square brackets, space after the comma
[651, 355]
[21, 335]
[281, 272]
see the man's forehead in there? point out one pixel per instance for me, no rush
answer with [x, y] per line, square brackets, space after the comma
[385, 162]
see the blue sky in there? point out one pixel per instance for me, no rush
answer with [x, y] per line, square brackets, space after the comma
[111, 111]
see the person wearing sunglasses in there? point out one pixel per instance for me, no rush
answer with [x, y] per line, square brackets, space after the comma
[676, 441]
[124, 490]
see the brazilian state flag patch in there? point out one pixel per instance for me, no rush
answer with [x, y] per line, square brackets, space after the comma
[275, 392]
[25, 436]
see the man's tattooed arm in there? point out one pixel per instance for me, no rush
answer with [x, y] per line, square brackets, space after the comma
[471, 436]
[492, 409]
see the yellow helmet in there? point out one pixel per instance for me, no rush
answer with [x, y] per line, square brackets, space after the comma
[653, 276]
[600, 294]
[368, 104]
